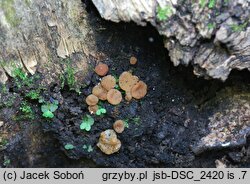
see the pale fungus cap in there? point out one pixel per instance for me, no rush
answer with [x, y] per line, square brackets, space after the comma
[108, 142]
[100, 92]
[108, 82]
[127, 81]
[119, 126]
[92, 100]
[139, 90]
[92, 109]
[114, 97]
[101, 69]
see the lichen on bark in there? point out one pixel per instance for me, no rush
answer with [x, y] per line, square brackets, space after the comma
[7, 6]
[213, 36]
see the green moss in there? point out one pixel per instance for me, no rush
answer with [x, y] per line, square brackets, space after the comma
[10, 12]
[20, 74]
[3, 89]
[238, 28]
[211, 3]
[25, 108]
[6, 162]
[21, 78]
[137, 120]
[202, 3]
[163, 13]
[126, 123]
[27, 2]
[33, 94]
[27, 112]
[211, 25]
[3, 142]
[68, 77]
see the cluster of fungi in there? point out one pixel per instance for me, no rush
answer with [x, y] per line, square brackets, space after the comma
[105, 90]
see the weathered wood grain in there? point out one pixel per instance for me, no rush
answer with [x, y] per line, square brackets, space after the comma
[213, 36]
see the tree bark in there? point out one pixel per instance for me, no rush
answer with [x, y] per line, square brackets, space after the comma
[213, 36]
[38, 34]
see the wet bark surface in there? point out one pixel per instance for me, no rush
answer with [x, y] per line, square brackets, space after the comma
[173, 126]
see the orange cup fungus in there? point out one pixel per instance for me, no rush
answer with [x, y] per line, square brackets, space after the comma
[92, 100]
[101, 69]
[139, 90]
[119, 126]
[133, 60]
[127, 81]
[100, 92]
[92, 109]
[108, 82]
[108, 142]
[114, 97]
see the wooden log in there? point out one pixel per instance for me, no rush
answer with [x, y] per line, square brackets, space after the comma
[38, 35]
[211, 35]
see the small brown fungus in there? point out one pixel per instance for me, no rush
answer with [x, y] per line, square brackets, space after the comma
[119, 126]
[127, 81]
[92, 100]
[108, 82]
[101, 69]
[93, 109]
[114, 96]
[139, 90]
[133, 60]
[100, 92]
[108, 142]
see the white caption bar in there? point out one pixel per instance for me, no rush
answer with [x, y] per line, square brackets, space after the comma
[116, 175]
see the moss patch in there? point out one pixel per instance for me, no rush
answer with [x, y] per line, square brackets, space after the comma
[27, 2]
[10, 12]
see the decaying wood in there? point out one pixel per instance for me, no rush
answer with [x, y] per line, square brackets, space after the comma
[213, 36]
[38, 34]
